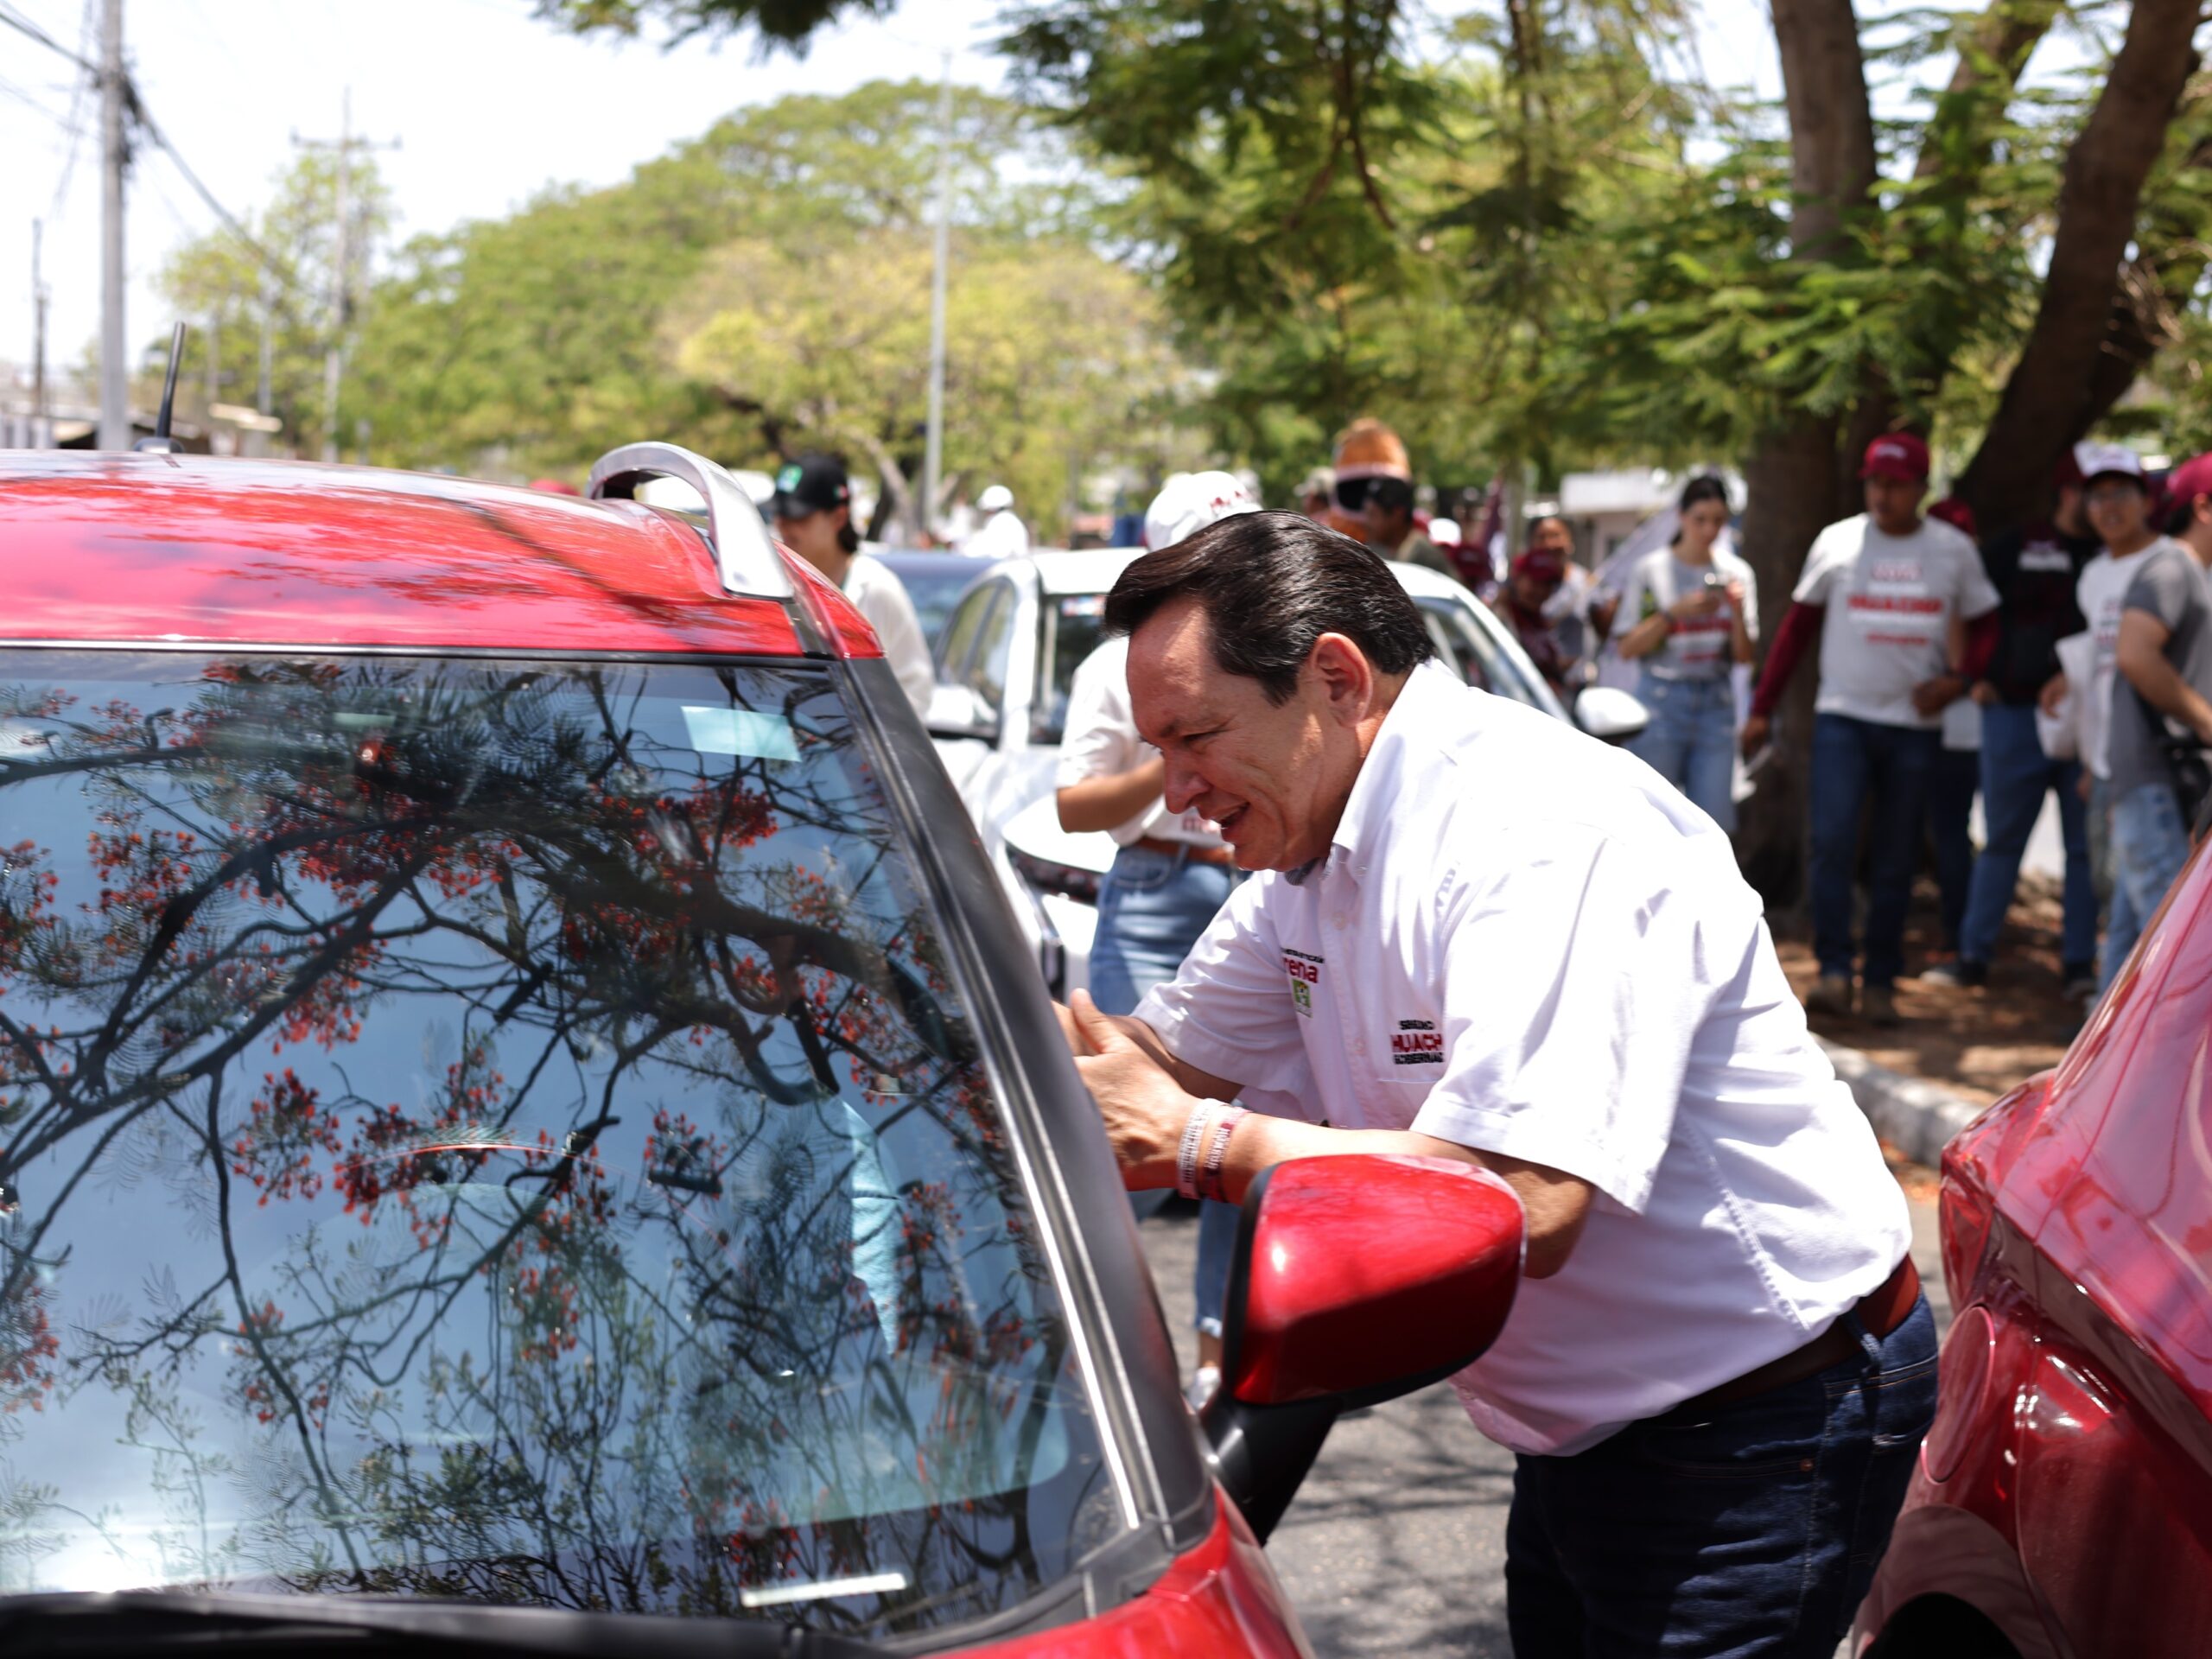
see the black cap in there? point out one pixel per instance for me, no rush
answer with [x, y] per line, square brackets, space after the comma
[812, 484]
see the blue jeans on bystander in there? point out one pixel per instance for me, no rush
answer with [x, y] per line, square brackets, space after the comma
[1691, 741]
[1856, 763]
[1750, 1528]
[2016, 774]
[1152, 907]
[2150, 843]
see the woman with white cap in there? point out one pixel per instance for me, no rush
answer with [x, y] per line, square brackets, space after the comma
[1172, 872]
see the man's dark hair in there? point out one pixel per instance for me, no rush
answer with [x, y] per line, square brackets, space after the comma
[2180, 515]
[1271, 584]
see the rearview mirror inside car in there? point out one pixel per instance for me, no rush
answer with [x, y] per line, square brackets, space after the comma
[1356, 1280]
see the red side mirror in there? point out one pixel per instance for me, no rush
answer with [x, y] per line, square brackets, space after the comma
[1367, 1276]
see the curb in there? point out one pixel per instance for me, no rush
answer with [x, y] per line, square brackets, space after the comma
[1913, 1114]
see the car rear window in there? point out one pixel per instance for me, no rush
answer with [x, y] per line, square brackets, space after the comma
[504, 1130]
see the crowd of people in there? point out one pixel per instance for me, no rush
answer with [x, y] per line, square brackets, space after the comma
[2066, 658]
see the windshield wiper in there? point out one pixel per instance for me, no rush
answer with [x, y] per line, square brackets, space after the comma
[85, 1626]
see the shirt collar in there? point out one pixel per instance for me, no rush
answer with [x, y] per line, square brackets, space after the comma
[1364, 828]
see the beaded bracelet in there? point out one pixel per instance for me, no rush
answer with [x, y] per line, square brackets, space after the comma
[1186, 1152]
[1218, 1153]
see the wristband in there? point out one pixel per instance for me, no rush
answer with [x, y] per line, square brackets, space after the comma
[1187, 1151]
[1218, 1152]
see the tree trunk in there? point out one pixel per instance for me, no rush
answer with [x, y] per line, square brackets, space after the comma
[1797, 478]
[2048, 401]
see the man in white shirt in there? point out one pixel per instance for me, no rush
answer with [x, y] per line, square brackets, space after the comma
[1172, 872]
[1481, 934]
[813, 512]
[1002, 535]
[1881, 591]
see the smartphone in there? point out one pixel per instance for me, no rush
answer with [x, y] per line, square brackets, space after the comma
[1715, 581]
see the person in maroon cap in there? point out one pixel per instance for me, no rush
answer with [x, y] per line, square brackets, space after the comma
[2035, 568]
[1536, 577]
[1881, 591]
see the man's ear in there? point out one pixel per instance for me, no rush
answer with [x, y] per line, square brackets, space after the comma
[1346, 677]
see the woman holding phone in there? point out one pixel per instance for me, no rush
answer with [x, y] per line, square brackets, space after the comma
[1691, 613]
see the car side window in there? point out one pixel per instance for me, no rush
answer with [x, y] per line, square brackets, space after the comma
[959, 638]
[985, 673]
[1473, 653]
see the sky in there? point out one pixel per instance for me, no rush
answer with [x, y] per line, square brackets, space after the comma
[488, 103]
[489, 106]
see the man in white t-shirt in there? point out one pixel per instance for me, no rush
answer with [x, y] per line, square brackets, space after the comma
[1172, 872]
[1479, 935]
[1002, 535]
[1881, 591]
[813, 512]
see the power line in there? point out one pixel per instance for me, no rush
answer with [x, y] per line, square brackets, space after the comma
[17, 21]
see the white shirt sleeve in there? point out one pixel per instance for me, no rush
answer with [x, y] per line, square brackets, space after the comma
[883, 600]
[1828, 557]
[1977, 596]
[1098, 739]
[1743, 572]
[1570, 1048]
[1229, 1010]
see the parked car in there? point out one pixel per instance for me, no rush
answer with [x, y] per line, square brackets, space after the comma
[2063, 1504]
[519, 1130]
[1005, 664]
[933, 582]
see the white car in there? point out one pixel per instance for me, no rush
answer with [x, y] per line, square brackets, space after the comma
[1004, 663]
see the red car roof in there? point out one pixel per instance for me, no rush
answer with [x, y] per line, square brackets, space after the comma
[111, 548]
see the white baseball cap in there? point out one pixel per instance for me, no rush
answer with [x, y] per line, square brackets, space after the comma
[1188, 502]
[2097, 459]
[993, 498]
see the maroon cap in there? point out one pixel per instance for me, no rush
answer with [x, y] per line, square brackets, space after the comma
[2189, 480]
[1539, 564]
[1956, 513]
[1896, 455]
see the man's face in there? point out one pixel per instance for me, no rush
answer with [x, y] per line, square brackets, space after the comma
[1275, 780]
[814, 537]
[1387, 525]
[1894, 502]
[2119, 511]
[1552, 536]
[1534, 593]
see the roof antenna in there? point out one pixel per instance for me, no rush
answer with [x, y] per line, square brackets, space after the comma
[160, 443]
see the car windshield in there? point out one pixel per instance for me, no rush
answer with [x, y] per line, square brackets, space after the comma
[504, 1131]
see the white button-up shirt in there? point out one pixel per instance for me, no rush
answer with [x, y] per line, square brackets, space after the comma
[1529, 944]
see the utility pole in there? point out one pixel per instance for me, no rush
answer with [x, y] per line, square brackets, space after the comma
[933, 446]
[341, 266]
[42, 429]
[115, 368]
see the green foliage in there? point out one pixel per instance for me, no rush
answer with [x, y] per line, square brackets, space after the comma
[787, 23]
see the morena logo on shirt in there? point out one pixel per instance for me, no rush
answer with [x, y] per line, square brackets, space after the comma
[1900, 570]
[1416, 1042]
[1304, 973]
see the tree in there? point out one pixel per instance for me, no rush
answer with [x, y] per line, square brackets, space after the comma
[789, 24]
[227, 288]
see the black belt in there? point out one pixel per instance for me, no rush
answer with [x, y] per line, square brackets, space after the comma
[1880, 1311]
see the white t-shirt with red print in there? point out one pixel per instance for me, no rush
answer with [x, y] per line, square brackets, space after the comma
[1698, 648]
[1889, 602]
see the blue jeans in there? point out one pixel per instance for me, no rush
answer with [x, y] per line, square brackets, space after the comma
[1753, 1528]
[1950, 810]
[2016, 774]
[1691, 741]
[2150, 843]
[1152, 907]
[1856, 762]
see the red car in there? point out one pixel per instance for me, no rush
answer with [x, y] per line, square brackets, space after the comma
[525, 1123]
[2063, 1502]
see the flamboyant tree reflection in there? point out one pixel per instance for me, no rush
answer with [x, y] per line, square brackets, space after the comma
[501, 1131]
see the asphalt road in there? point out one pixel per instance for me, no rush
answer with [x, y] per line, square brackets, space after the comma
[1396, 1544]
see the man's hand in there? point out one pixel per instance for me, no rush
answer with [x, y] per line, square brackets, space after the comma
[1934, 697]
[1143, 1108]
[1753, 737]
[2053, 693]
[1985, 694]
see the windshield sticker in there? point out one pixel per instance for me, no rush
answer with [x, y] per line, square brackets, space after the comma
[741, 732]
